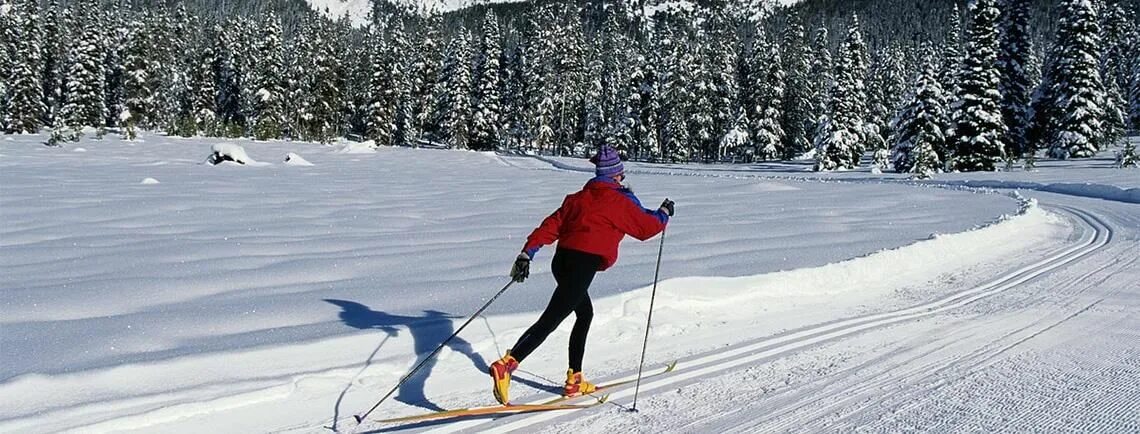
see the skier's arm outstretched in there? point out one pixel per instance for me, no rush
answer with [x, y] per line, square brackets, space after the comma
[545, 234]
[642, 223]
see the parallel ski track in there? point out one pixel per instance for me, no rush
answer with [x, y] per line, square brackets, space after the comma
[1096, 235]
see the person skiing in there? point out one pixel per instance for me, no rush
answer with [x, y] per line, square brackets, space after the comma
[588, 227]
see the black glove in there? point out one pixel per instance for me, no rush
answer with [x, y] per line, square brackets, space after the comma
[667, 206]
[521, 270]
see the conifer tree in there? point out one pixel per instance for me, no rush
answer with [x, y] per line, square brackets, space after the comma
[203, 86]
[978, 127]
[52, 58]
[114, 34]
[424, 73]
[840, 141]
[796, 113]
[917, 130]
[1015, 85]
[648, 132]
[84, 91]
[138, 95]
[1079, 89]
[677, 82]
[767, 134]
[703, 132]
[8, 37]
[952, 56]
[381, 116]
[25, 91]
[486, 118]
[405, 127]
[268, 98]
[453, 104]
[821, 80]
[1128, 157]
[1134, 86]
[517, 81]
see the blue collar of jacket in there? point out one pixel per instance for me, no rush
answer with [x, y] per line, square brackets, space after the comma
[606, 181]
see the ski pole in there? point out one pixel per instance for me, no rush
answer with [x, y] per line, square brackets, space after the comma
[648, 321]
[360, 417]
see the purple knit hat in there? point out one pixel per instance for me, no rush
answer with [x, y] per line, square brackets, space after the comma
[607, 162]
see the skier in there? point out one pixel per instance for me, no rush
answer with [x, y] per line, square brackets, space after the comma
[588, 227]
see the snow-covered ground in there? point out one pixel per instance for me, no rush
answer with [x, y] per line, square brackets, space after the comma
[143, 290]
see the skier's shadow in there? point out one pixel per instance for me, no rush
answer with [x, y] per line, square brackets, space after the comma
[428, 331]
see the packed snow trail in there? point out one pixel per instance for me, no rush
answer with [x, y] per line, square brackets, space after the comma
[1046, 347]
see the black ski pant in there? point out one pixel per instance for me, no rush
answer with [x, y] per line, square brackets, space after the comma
[573, 270]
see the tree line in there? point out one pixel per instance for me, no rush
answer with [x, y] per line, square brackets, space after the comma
[973, 87]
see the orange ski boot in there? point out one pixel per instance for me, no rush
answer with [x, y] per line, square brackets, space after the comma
[576, 385]
[501, 375]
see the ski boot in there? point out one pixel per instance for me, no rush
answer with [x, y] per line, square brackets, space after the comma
[501, 375]
[576, 385]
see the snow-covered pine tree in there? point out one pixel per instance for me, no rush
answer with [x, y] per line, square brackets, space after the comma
[115, 34]
[1015, 86]
[840, 141]
[84, 88]
[178, 96]
[515, 101]
[138, 95]
[1134, 84]
[268, 114]
[569, 56]
[341, 97]
[323, 100]
[593, 101]
[8, 37]
[886, 88]
[203, 85]
[1115, 38]
[486, 127]
[1114, 62]
[703, 134]
[768, 94]
[1128, 157]
[53, 50]
[952, 56]
[978, 126]
[453, 105]
[1079, 89]
[821, 79]
[724, 46]
[1114, 120]
[649, 131]
[25, 92]
[405, 125]
[380, 114]
[917, 130]
[424, 73]
[796, 113]
[676, 87]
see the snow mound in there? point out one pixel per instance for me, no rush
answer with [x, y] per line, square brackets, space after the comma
[365, 147]
[149, 181]
[79, 150]
[293, 159]
[230, 152]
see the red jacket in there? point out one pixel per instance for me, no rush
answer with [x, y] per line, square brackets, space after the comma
[595, 220]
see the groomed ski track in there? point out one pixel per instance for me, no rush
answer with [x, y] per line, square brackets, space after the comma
[1040, 348]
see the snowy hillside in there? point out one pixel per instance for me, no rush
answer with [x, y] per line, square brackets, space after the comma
[146, 291]
[358, 10]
